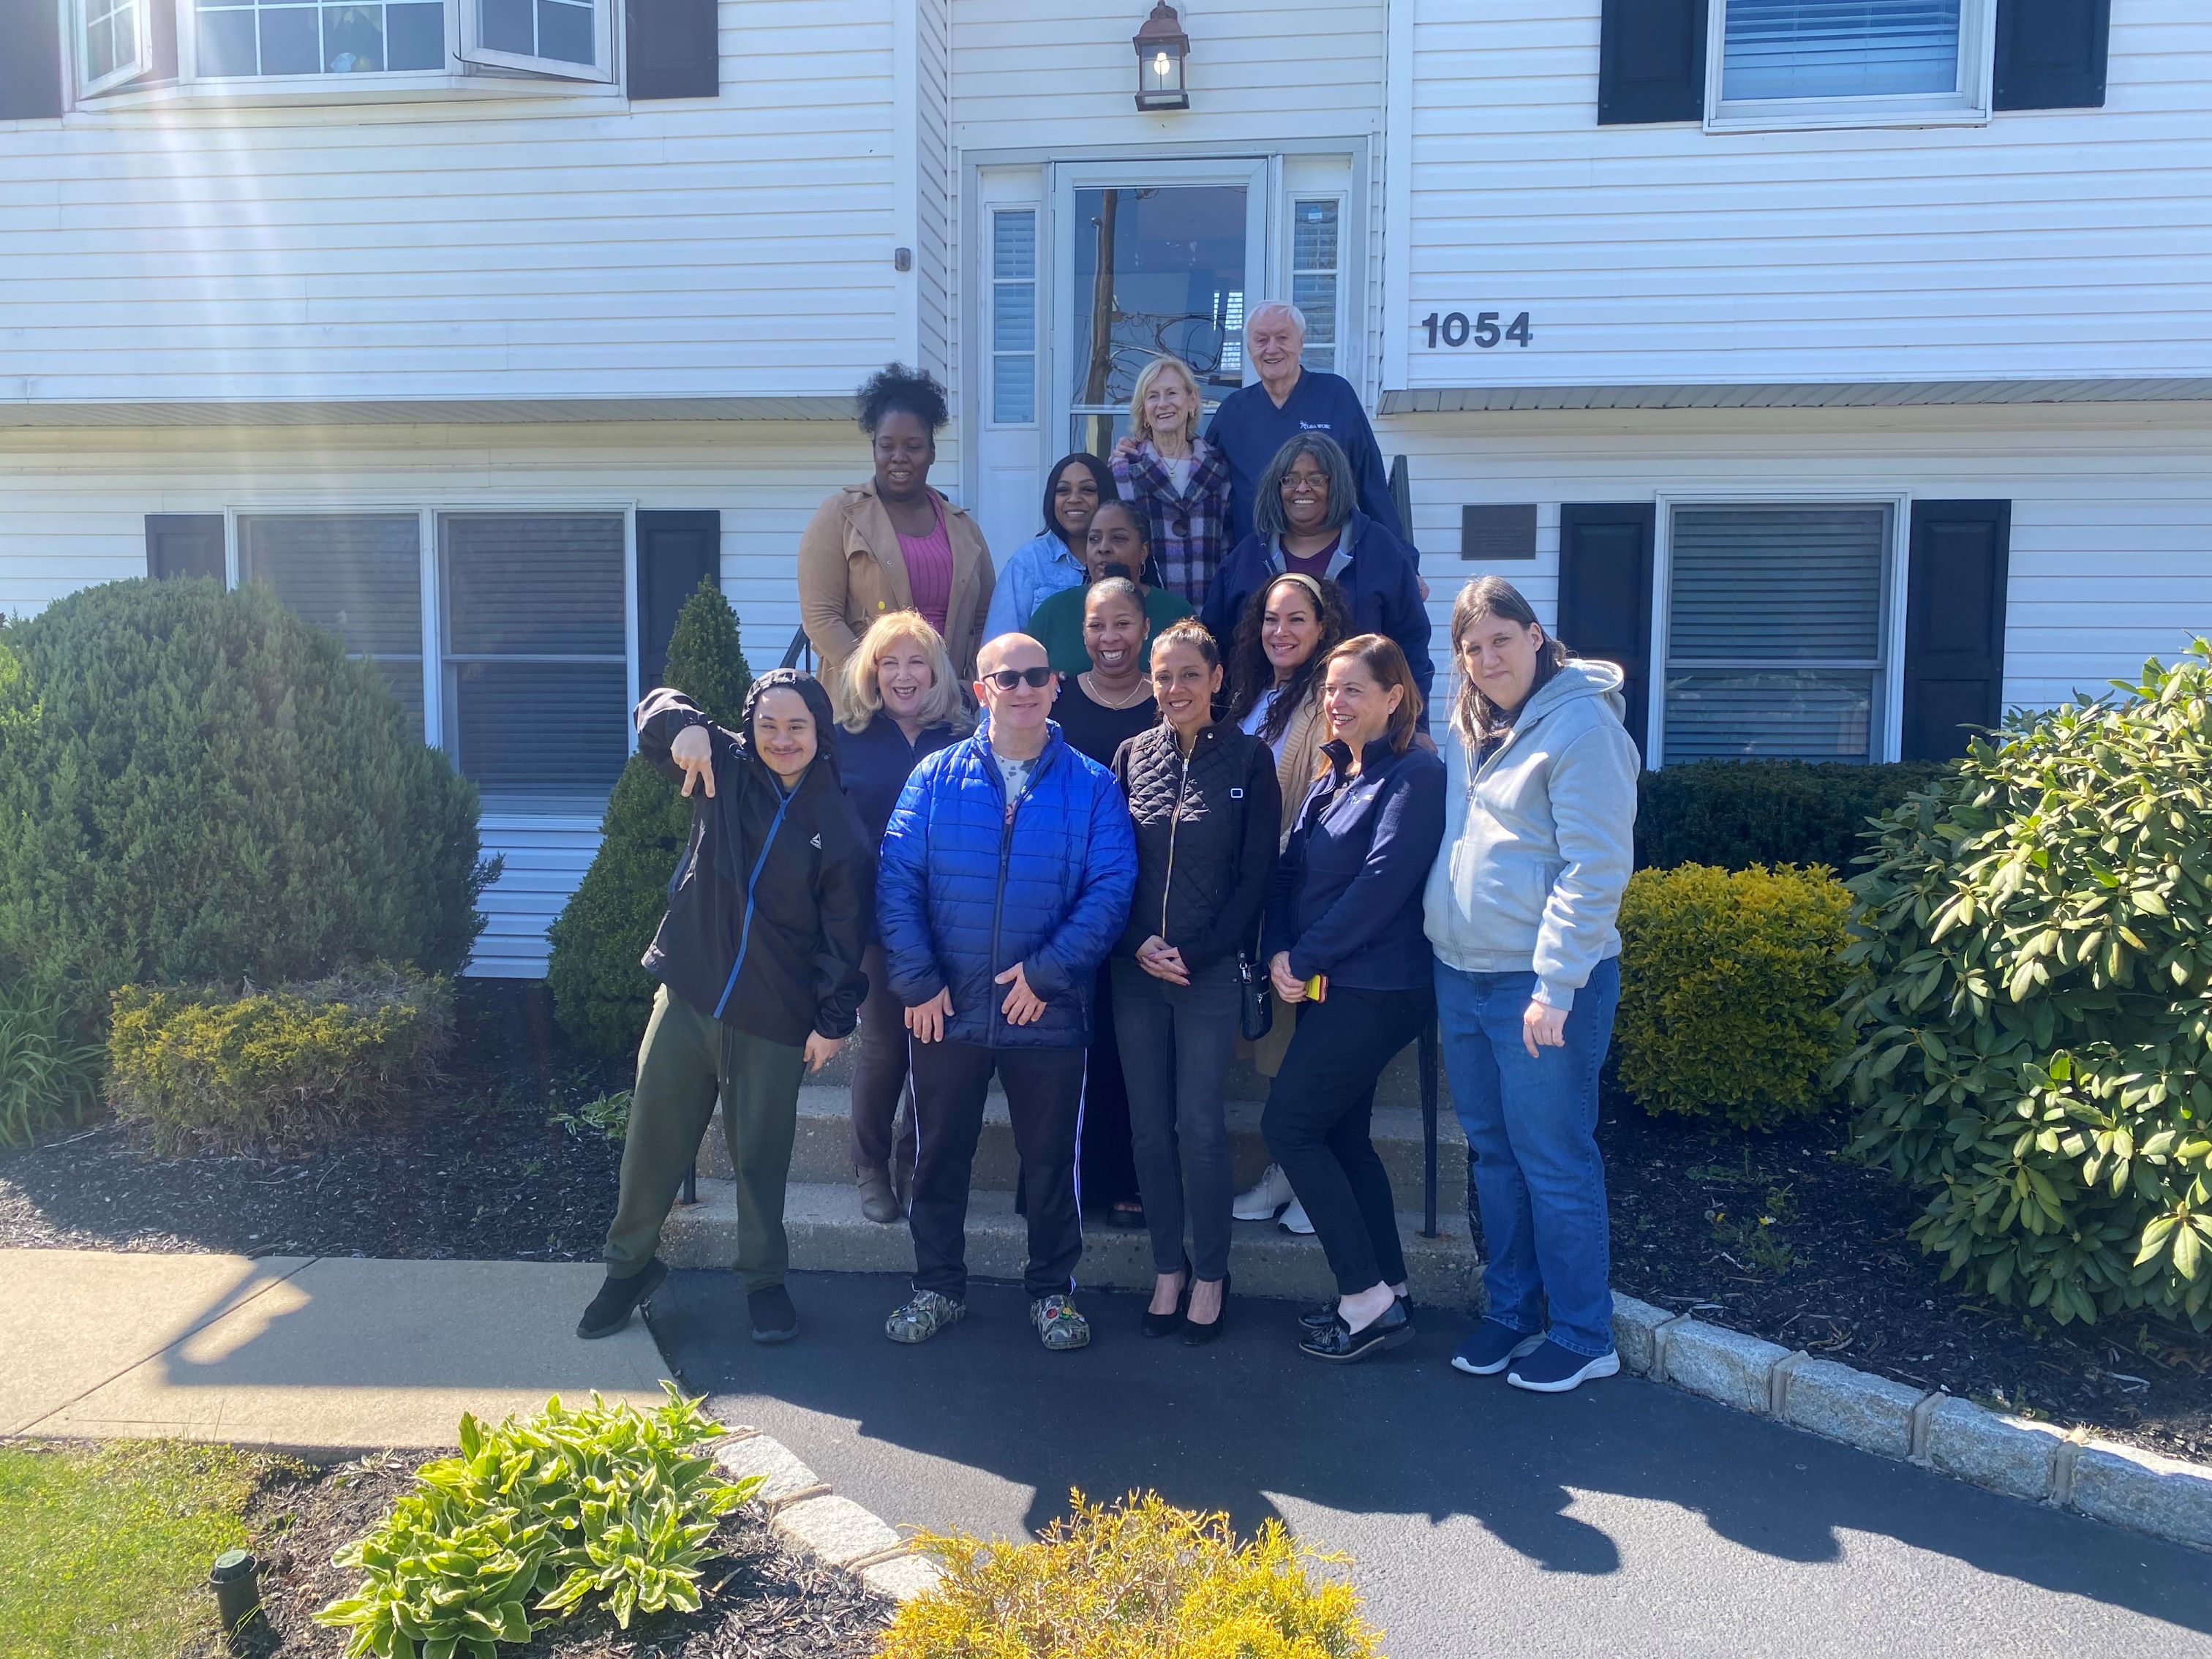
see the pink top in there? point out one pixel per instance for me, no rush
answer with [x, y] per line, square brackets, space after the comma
[929, 571]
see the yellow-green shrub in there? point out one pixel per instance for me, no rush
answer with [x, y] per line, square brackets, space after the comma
[1728, 983]
[1139, 1579]
[272, 1069]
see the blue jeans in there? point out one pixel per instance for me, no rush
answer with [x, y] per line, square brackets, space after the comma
[1532, 1127]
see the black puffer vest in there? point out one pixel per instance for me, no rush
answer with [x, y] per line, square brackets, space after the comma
[1201, 869]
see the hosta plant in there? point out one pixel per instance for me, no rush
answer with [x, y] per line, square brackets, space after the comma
[605, 1506]
[2032, 1015]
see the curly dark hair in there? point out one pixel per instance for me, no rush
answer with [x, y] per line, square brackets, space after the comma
[895, 388]
[1251, 676]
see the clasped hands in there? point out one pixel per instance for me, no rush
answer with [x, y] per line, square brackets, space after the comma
[1022, 1006]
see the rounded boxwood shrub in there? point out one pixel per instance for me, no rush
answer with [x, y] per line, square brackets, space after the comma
[1728, 980]
[601, 997]
[197, 786]
[1138, 1577]
[1737, 813]
[2032, 1016]
[273, 1071]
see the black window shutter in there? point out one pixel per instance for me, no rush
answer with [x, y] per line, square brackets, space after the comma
[675, 551]
[1651, 62]
[1954, 624]
[30, 60]
[674, 51]
[2051, 53]
[185, 544]
[1605, 593]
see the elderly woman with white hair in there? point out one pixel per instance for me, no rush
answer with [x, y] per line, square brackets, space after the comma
[1254, 422]
[1177, 480]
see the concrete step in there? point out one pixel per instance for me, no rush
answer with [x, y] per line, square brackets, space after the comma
[828, 1235]
[1400, 1086]
[822, 1149]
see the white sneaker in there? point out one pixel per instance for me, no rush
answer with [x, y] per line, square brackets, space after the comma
[1294, 1220]
[1261, 1203]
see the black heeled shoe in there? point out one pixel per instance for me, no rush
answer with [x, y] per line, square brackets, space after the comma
[1168, 1324]
[1195, 1335]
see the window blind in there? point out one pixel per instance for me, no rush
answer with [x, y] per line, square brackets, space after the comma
[1014, 317]
[537, 671]
[1838, 48]
[359, 576]
[1774, 631]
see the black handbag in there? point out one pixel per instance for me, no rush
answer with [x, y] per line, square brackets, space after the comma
[1255, 1009]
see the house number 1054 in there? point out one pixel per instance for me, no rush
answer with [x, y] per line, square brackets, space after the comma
[1452, 329]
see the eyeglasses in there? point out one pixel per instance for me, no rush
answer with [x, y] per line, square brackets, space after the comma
[1007, 678]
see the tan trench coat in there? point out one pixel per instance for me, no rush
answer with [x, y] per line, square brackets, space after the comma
[851, 571]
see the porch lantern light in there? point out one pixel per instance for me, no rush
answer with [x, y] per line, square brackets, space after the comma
[1161, 47]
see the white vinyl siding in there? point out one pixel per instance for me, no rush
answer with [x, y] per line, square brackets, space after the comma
[1773, 629]
[2046, 244]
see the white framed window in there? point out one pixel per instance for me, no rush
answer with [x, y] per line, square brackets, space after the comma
[1777, 629]
[571, 38]
[241, 39]
[359, 574]
[1848, 63]
[114, 44]
[1014, 317]
[536, 682]
[1316, 264]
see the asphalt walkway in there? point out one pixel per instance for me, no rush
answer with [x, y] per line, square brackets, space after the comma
[1627, 1518]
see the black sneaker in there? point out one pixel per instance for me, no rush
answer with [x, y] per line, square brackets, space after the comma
[618, 1298]
[775, 1320]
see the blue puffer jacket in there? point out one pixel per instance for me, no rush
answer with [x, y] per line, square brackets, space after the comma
[962, 894]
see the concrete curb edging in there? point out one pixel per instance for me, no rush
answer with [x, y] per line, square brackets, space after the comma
[2130, 1488]
[806, 1514]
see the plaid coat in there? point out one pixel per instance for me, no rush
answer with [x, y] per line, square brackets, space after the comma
[1190, 531]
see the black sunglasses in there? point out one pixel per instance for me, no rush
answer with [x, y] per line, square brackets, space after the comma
[1007, 678]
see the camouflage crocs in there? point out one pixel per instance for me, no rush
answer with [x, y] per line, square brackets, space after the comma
[922, 1317]
[1058, 1324]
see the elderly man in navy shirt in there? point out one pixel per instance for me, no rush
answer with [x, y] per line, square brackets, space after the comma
[1254, 422]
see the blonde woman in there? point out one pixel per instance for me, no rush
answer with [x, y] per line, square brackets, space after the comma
[1177, 480]
[897, 700]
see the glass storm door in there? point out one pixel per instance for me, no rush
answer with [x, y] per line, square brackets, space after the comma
[1155, 259]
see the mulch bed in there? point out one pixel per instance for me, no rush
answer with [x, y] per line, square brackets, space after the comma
[1833, 1271]
[479, 1170]
[483, 1171]
[763, 1600]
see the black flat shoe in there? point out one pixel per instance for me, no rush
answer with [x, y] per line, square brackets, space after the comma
[618, 1298]
[1340, 1342]
[1168, 1324]
[1322, 1318]
[1195, 1335]
[775, 1320]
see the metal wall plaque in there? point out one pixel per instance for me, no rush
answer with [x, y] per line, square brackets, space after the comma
[1496, 532]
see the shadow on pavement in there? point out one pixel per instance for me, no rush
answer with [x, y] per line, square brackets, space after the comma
[1248, 1424]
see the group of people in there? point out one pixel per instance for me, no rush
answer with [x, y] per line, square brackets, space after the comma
[1161, 786]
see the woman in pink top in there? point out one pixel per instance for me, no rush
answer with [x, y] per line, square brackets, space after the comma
[894, 544]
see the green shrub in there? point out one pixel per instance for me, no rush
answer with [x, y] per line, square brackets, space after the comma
[601, 997]
[2032, 1015]
[197, 786]
[278, 1069]
[1137, 1580]
[608, 1506]
[1738, 813]
[1727, 985]
[48, 1079]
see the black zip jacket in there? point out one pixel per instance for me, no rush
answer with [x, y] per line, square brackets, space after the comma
[1207, 831]
[771, 904]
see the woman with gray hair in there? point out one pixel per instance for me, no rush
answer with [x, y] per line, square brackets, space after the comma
[1254, 421]
[1309, 524]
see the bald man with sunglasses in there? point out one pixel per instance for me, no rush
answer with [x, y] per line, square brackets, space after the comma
[1005, 878]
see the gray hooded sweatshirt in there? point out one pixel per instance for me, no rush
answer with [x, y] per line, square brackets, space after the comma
[1538, 842]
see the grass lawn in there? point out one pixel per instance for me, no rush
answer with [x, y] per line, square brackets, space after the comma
[105, 1550]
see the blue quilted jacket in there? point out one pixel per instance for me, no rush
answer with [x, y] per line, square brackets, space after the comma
[963, 894]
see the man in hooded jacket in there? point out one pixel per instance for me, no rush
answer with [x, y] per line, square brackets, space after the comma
[758, 958]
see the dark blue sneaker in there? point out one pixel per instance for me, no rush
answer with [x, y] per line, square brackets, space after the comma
[1554, 1370]
[1490, 1347]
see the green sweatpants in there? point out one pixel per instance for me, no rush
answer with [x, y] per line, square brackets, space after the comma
[685, 1059]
